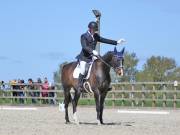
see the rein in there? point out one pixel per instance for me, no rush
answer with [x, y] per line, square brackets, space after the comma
[100, 58]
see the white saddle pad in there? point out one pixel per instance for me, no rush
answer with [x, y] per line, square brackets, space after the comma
[77, 71]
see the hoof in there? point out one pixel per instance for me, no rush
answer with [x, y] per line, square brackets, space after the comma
[76, 121]
[98, 123]
[68, 122]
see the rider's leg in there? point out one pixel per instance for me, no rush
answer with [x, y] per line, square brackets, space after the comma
[87, 68]
[82, 74]
[80, 82]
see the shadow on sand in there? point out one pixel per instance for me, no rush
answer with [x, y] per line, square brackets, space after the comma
[109, 124]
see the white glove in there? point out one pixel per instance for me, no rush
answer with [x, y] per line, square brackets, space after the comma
[94, 58]
[95, 52]
[121, 41]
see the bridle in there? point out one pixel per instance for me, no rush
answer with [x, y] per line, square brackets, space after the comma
[114, 68]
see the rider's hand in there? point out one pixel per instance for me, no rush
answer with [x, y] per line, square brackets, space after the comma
[95, 52]
[121, 41]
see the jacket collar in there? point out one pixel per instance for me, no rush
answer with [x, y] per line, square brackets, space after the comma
[90, 34]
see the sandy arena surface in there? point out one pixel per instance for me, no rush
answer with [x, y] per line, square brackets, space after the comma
[50, 121]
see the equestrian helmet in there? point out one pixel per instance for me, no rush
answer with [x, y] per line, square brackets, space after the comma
[93, 25]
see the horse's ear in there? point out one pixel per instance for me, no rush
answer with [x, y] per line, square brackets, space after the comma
[122, 51]
[115, 50]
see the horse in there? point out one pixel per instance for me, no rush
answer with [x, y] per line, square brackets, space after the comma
[99, 81]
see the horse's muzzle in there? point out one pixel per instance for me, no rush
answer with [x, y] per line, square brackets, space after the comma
[120, 71]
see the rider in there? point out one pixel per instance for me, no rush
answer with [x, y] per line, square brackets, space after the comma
[88, 43]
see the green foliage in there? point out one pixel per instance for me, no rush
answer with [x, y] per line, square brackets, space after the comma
[173, 75]
[57, 74]
[157, 69]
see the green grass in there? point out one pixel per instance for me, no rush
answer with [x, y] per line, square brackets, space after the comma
[91, 102]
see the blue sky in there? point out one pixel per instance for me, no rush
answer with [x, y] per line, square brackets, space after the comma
[37, 35]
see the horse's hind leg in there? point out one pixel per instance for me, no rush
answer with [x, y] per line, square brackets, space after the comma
[74, 103]
[67, 99]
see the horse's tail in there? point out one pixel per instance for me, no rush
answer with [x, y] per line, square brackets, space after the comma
[66, 74]
[62, 71]
[63, 66]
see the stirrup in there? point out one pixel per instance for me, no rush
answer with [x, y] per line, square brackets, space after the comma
[87, 90]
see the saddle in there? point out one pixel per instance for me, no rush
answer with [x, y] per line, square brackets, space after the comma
[86, 84]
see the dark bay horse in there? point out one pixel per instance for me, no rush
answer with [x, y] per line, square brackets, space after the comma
[99, 81]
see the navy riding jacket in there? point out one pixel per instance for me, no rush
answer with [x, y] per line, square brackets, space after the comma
[89, 42]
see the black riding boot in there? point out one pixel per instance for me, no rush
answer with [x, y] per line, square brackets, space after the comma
[110, 88]
[80, 82]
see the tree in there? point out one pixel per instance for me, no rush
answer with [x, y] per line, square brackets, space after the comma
[57, 74]
[156, 69]
[173, 75]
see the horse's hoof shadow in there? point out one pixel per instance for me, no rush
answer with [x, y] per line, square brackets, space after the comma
[113, 123]
[88, 123]
[72, 123]
[68, 122]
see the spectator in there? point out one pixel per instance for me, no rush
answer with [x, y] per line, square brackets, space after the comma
[18, 85]
[2, 85]
[51, 94]
[39, 80]
[21, 93]
[38, 86]
[14, 87]
[31, 87]
[45, 87]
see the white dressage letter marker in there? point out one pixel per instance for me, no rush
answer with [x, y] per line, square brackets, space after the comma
[143, 112]
[19, 108]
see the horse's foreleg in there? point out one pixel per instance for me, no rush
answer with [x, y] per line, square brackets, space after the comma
[97, 100]
[74, 103]
[102, 98]
[66, 103]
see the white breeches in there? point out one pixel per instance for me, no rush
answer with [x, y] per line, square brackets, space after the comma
[82, 67]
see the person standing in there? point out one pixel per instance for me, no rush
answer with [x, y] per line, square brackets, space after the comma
[45, 87]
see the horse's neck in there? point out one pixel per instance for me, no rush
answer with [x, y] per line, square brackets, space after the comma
[102, 71]
[107, 58]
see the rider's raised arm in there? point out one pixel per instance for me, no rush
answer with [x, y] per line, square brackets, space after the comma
[84, 44]
[104, 40]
